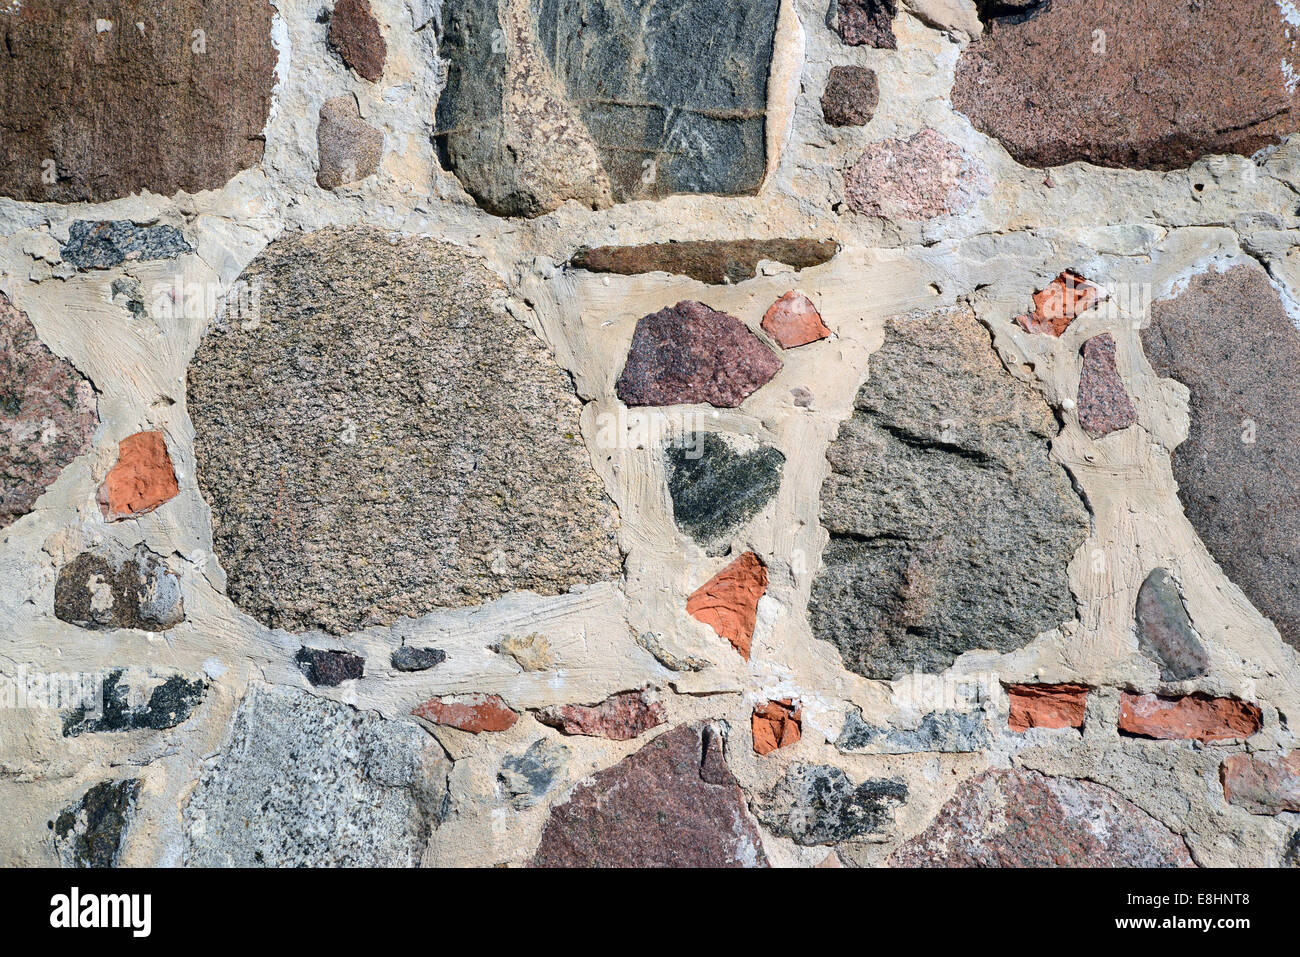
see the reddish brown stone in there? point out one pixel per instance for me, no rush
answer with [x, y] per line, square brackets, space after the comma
[850, 96]
[867, 23]
[1060, 303]
[1194, 716]
[1263, 783]
[914, 179]
[674, 803]
[472, 712]
[728, 602]
[174, 96]
[328, 669]
[776, 724]
[691, 353]
[1104, 404]
[712, 261]
[142, 479]
[1144, 83]
[355, 36]
[47, 414]
[1020, 818]
[1046, 706]
[794, 321]
[619, 717]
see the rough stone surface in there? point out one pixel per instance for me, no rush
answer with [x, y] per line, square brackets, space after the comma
[619, 717]
[728, 602]
[532, 652]
[691, 353]
[355, 36]
[945, 732]
[169, 704]
[850, 96]
[113, 587]
[593, 101]
[820, 804]
[528, 777]
[1046, 706]
[321, 441]
[1263, 783]
[328, 669]
[674, 803]
[950, 527]
[867, 23]
[105, 113]
[48, 413]
[716, 489]
[348, 147]
[1021, 818]
[794, 321]
[775, 724]
[142, 478]
[474, 713]
[671, 657]
[919, 178]
[1228, 338]
[1196, 716]
[411, 658]
[1104, 404]
[1171, 83]
[1165, 632]
[714, 261]
[109, 243]
[1059, 303]
[89, 833]
[305, 782]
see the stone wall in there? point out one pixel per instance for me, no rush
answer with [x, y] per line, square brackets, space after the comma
[792, 433]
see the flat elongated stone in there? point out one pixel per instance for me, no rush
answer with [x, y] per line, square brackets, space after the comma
[674, 803]
[619, 717]
[1165, 632]
[691, 353]
[169, 704]
[1047, 706]
[355, 35]
[305, 782]
[474, 713]
[329, 669]
[112, 587]
[1147, 83]
[109, 243]
[90, 832]
[714, 261]
[951, 528]
[916, 179]
[728, 602]
[1103, 402]
[716, 489]
[48, 413]
[168, 96]
[850, 96]
[142, 478]
[820, 804]
[1263, 783]
[1021, 818]
[794, 321]
[411, 658]
[944, 732]
[1195, 716]
[359, 472]
[1228, 338]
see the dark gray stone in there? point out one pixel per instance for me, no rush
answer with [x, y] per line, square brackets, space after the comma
[1165, 632]
[112, 587]
[939, 731]
[410, 658]
[527, 777]
[329, 668]
[168, 704]
[819, 804]
[716, 489]
[951, 528]
[109, 243]
[1291, 856]
[1228, 338]
[89, 833]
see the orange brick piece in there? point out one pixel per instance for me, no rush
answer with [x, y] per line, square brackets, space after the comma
[142, 479]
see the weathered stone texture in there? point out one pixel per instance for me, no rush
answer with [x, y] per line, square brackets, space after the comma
[91, 114]
[920, 178]
[1228, 338]
[1022, 818]
[412, 658]
[714, 261]
[355, 36]
[850, 96]
[674, 803]
[867, 22]
[1103, 402]
[716, 489]
[794, 321]
[528, 777]
[90, 832]
[820, 804]
[113, 587]
[619, 717]
[1197, 717]
[361, 471]
[48, 413]
[1263, 783]
[1147, 84]
[1165, 632]
[474, 713]
[939, 731]
[328, 669]
[305, 782]
[950, 526]
[349, 149]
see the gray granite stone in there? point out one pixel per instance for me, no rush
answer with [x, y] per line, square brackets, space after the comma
[938, 731]
[820, 804]
[109, 243]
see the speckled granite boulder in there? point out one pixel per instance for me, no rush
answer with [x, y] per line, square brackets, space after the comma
[950, 526]
[385, 440]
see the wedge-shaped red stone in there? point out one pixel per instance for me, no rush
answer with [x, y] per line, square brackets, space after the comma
[794, 321]
[776, 724]
[142, 479]
[473, 712]
[1195, 716]
[728, 602]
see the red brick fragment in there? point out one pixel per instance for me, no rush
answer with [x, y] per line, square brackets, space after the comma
[619, 717]
[794, 321]
[728, 602]
[1063, 300]
[1047, 706]
[142, 479]
[473, 713]
[776, 724]
[1196, 716]
[1263, 783]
